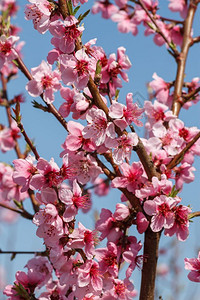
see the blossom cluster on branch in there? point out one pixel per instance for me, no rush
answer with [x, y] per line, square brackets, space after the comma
[89, 82]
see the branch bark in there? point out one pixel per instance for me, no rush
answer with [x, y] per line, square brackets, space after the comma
[181, 60]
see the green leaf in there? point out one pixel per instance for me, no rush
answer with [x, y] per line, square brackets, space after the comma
[172, 45]
[21, 291]
[18, 204]
[117, 94]
[76, 9]
[98, 68]
[70, 7]
[173, 192]
[81, 17]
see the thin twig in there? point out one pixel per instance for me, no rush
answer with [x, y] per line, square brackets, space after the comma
[23, 213]
[194, 215]
[171, 20]
[191, 95]
[28, 141]
[42, 253]
[179, 157]
[158, 30]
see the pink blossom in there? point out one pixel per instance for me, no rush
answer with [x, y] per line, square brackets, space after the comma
[76, 2]
[65, 33]
[6, 140]
[160, 208]
[178, 6]
[39, 12]
[122, 146]
[75, 139]
[75, 69]
[9, 5]
[184, 132]
[48, 175]
[142, 222]
[130, 255]
[121, 290]
[155, 187]
[89, 274]
[23, 172]
[41, 268]
[171, 140]
[106, 225]
[107, 9]
[125, 115]
[121, 212]
[114, 66]
[8, 189]
[84, 168]
[184, 174]
[132, 177]
[181, 223]
[193, 264]
[156, 112]
[108, 259]
[45, 81]
[68, 95]
[83, 237]
[7, 52]
[73, 201]
[125, 23]
[50, 225]
[161, 88]
[98, 127]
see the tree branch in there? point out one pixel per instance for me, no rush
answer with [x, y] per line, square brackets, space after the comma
[194, 215]
[179, 157]
[181, 60]
[23, 213]
[158, 30]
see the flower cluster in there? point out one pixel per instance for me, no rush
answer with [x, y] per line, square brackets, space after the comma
[101, 142]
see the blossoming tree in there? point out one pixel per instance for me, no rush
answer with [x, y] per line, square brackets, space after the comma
[102, 150]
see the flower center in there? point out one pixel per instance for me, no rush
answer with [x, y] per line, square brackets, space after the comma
[5, 48]
[46, 81]
[159, 115]
[119, 289]
[82, 67]
[71, 32]
[163, 209]
[183, 132]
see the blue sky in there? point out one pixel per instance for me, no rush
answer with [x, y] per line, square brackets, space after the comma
[146, 59]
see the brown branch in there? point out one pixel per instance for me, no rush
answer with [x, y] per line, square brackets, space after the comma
[17, 148]
[63, 8]
[42, 253]
[150, 254]
[179, 157]
[194, 215]
[195, 40]
[171, 20]
[8, 112]
[28, 141]
[181, 60]
[191, 95]
[106, 171]
[23, 213]
[34, 202]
